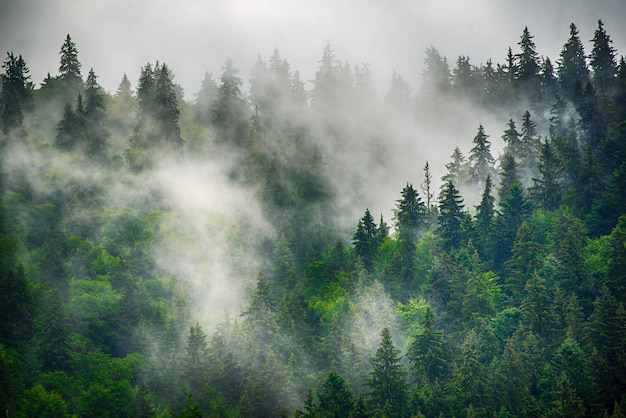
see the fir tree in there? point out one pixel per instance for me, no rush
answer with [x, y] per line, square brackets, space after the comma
[480, 159]
[572, 65]
[602, 60]
[546, 190]
[451, 215]
[410, 214]
[387, 380]
[15, 92]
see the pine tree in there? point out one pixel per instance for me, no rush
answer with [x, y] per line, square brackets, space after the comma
[546, 190]
[572, 66]
[95, 118]
[548, 80]
[523, 263]
[512, 140]
[429, 194]
[527, 65]
[387, 380]
[451, 215]
[69, 68]
[166, 109]
[531, 144]
[428, 353]
[15, 92]
[436, 75]
[508, 176]
[364, 239]
[230, 108]
[336, 398]
[480, 159]
[484, 217]
[514, 209]
[602, 61]
[457, 169]
[410, 214]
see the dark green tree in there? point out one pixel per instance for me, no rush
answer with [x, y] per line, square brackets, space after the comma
[602, 61]
[387, 380]
[523, 263]
[508, 176]
[69, 69]
[428, 353]
[166, 110]
[572, 67]
[484, 217]
[512, 140]
[527, 66]
[547, 190]
[410, 214]
[451, 215]
[548, 80]
[96, 131]
[514, 209]
[336, 398]
[531, 144]
[364, 239]
[480, 159]
[469, 381]
[15, 92]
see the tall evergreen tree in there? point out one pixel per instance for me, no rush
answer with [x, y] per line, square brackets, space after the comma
[527, 68]
[512, 139]
[15, 92]
[547, 190]
[457, 169]
[508, 175]
[602, 60]
[484, 217]
[166, 109]
[230, 108]
[428, 353]
[480, 159]
[95, 118]
[364, 239]
[387, 380]
[410, 213]
[451, 215]
[69, 70]
[336, 398]
[572, 67]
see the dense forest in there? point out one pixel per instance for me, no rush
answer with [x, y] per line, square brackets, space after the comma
[218, 256]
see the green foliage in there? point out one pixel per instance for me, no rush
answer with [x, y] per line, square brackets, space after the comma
[504, 309]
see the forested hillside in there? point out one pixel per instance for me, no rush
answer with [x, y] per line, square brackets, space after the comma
[220, 255]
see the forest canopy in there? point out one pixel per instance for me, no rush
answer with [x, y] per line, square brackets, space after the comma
[229, 255]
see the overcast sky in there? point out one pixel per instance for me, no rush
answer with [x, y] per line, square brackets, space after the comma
[194, 36]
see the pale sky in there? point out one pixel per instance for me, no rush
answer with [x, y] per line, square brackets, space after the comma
[194, 36]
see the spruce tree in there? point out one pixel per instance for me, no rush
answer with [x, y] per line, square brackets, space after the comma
[527, 65]
[451, 215]
[602, 60]
[480, 159]
[364, 239]
[546, 190]
[572, 67]
[512, 139]
[15, 92]
[387, 380]
[410, 214]
[484, 217]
